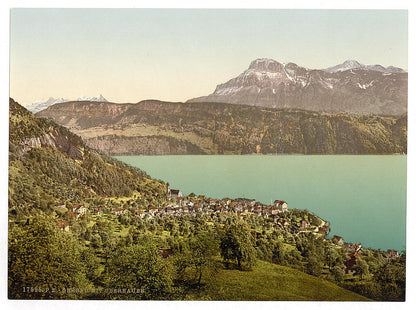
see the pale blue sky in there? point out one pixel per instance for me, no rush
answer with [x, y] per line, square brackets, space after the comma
[172, 54]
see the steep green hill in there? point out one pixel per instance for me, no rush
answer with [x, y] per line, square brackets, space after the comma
[155, 127]
[48, 165]
[271, 282]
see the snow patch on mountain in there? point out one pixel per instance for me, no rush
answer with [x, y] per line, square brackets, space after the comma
[100, 98]
[365, 86]
[43, 104]
[353, 65]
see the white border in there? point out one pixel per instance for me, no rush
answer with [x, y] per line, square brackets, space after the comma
[311, 4]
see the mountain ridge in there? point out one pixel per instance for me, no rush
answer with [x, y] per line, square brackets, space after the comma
[162, 128]
[268, 83]
[41, 105]
[351, 64]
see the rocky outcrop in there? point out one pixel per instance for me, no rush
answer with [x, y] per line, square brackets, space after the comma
[147, 145]
[54, 139]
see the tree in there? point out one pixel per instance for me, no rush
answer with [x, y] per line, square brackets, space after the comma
[237, 245]
[333, 257]
[203, 248]
[361, 268]
[279, 253]
[338, 273]
[42, 256]
[139, 266]
[314, 266]
[392, 278]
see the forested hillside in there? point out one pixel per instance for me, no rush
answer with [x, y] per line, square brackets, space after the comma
[49, 165]
[159, 128]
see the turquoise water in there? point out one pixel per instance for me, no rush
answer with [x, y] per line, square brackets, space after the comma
[363, 197]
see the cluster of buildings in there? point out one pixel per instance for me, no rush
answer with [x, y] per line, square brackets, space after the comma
[355, 250]
[193, 205]
[177, 205]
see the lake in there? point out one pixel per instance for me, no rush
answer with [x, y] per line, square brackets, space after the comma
[362, 196]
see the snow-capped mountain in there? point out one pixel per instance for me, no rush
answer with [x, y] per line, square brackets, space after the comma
[39, 106]
[353, 64]
[43, 104]
[352, 87]
[100, 98]
[346, 65]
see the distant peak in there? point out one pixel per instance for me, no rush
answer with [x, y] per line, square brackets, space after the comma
[265, 64]
[100, 98]
[346, 65]
[352, 62]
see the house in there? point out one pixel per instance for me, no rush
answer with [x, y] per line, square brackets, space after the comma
[357, 247]
[275, 218]
[99, 210]
[78, 208]
[152, 209]
[119, 211]
[304, 224]
[60, 205]
[140, 213]
[226, 201]
[338, 240]
[281, 205]
[282, 222]
[63, 225]
[392, 254]
[173, 193]
[351, 262]
[323, 230]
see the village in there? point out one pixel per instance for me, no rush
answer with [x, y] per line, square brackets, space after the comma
[192, 205]
[177, 205]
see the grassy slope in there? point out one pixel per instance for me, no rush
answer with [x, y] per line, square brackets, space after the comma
[272, 282]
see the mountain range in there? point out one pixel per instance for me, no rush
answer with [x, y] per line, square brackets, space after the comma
[270, 108]
[41, 105]
[346, 88]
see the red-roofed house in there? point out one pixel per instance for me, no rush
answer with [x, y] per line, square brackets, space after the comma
[281, 205]
[63, 225]
[338, 240]
[392, 254]
[78, 208]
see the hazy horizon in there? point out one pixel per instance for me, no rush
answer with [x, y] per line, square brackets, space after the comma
[128, 55]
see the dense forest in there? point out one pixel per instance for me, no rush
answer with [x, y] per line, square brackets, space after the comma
[85, 226]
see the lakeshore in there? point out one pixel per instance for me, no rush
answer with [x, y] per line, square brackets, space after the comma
[345, 190]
